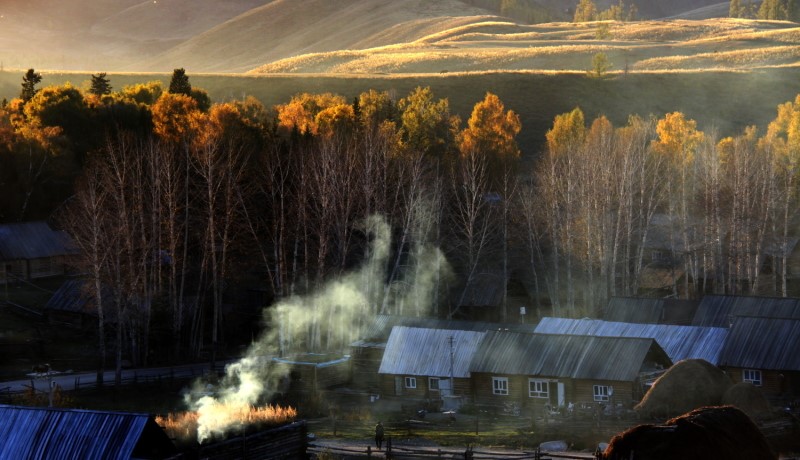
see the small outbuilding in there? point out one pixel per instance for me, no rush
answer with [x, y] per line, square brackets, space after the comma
[30, 250]
[35, 432]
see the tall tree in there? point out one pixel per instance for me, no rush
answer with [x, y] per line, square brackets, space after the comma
[585, 11]
[29, 82]
[100, 84]
[179, 84]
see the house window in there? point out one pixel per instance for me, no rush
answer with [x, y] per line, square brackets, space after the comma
[602, 392]
[752, 376]
[658, 256]
[411, 382]
[500, 385]
[537, 388]
[433, 383]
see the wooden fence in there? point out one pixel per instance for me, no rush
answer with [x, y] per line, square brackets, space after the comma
[412, 453]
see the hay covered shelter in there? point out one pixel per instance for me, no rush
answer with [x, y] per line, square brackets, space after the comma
[687, 385]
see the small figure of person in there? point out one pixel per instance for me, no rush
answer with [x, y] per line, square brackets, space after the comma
[379, 435]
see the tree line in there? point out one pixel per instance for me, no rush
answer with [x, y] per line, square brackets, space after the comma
[178, 204]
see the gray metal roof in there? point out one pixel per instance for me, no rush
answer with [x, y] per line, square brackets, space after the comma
[39, 433]
[679, 342]
[484, 290]
[564, 356]
[634, 310]
[720, 310]
[382, 326]
[71, 297]
[763, 343]
[426, 352]
[33, 240]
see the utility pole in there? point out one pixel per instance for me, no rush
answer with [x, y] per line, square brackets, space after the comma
[452, 358]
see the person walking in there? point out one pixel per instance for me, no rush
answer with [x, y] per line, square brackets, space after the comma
[379, 435]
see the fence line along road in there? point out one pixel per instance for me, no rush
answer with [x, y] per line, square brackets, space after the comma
[88, 380]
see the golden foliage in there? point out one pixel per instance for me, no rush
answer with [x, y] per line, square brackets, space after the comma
[183, 425]
[491, 130]
[176, 118]
[568, 132]
[301, 112]
[678, 138]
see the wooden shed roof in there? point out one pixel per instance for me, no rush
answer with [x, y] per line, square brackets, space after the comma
[721, 310]
[763, 343]
[35, 432]
[564, 356]
[33, 240]
[426, 352]
[679, 342]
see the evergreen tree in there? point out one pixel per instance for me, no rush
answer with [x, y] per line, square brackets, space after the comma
[29, 82]
[180, 83]
[100, 85]
[585, 11]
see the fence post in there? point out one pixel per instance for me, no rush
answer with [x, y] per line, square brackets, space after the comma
[369, 451]
[389, 448]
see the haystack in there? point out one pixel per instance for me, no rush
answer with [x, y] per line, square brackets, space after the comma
[710, 433]
[749, 399]
[687, 385]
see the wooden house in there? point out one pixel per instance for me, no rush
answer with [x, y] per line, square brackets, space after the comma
[428, 363]
[678, 342]
[367, 353]
[534, 370]
[31, 250]
[764, 352]
[722, 310]
[308, 373]
[36, 432]
[72, 305]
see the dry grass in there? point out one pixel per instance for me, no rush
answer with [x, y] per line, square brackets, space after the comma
[183, 425]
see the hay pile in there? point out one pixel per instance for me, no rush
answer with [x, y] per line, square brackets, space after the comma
[749, 399]
[687, 385]
[710, 433]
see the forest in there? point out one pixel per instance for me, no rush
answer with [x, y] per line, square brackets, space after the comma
[179, 206]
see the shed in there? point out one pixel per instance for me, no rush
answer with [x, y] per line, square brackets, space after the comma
[71, 304]
[35, 432]
[417, 362]
[30, 250]
[311, 372]
[764, 352]
[721, 310]
[482, 297]
[679, 342]
[537, 369]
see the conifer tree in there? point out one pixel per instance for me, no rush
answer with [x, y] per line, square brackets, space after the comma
[735, 10]
[585, 11]
[29, 82]
[180, 83]
[100, 85]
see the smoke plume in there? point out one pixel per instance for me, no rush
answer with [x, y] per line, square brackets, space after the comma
[326, 320]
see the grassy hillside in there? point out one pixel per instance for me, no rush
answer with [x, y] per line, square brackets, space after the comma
[490, 45]
[727, 101]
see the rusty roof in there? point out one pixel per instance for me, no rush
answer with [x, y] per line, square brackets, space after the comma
[426, 352]
[565, 356]
[35, 432]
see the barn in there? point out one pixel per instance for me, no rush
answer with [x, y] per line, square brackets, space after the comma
[534, 370]
[764, 352]
[419, 363]
[30, 250]
[35, 432]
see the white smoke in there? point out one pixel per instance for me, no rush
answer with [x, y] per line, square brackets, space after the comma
[328, 319]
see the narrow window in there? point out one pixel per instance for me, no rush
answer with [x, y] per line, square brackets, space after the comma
[538, 388]
[500, 385]
[752, 376]
[601, 393]
[411, 382]
[433, 383]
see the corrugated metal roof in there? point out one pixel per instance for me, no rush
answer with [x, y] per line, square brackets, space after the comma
[382, 326]
[38, 433]
[563, 356]
[72, 297]
[484, 290]
[720, 310]
[33, 240]
[426, 352]
[679, 342]
[763, 343]
[634, 310]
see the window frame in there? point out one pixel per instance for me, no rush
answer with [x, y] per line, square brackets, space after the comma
[541, 394]
[410, 382]
[430, 383]
[601, 393]
[754, 376]
[502, 389]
